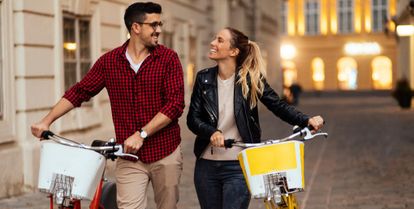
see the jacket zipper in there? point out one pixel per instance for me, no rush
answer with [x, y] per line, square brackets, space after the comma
[254, 122]
[209, 109]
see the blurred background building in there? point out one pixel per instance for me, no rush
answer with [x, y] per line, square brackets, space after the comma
[48, 45]
[338, 44]
[405, 36]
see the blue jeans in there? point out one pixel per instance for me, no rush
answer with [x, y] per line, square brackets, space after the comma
[220, 185]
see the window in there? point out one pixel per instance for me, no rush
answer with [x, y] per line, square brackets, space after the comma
[1, 72]
[76, 49]
[167, 39]
[312, 17]
[318, 73]
[347, 73]
[192, 62]
[382, 72]
[345, 16]
[284, 12]
[6, 82]
[290, 73]
[379, 14]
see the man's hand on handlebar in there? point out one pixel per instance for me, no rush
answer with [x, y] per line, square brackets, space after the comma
[38, 128]
[133, 144]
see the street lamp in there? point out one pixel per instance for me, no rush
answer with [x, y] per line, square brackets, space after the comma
[405, 30]
[287, 51]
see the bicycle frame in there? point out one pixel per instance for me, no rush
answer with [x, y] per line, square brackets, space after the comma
[67, 187]
[76, 204]
[274, 169]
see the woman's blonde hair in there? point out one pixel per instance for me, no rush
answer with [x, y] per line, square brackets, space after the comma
[249, 64]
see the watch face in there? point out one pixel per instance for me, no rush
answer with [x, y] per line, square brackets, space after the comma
[143, 134]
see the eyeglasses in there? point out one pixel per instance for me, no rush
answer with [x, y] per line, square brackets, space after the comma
[154, 25]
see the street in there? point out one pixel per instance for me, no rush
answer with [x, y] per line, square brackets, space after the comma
[367, 162]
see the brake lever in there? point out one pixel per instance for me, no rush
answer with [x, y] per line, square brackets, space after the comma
[120, 153]
[307, 134]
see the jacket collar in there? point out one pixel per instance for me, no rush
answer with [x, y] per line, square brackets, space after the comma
[211, 80]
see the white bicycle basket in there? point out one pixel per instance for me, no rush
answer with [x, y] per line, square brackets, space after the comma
[68, 171]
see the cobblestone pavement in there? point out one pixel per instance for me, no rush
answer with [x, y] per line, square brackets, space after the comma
[366, 163]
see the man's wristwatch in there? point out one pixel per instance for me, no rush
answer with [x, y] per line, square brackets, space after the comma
[143, 134]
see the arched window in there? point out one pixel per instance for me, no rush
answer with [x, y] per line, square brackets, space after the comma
[289, 73]
[318, 73]
[381, 72]
[347, 73]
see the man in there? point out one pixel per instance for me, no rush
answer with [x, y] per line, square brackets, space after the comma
[144, 81]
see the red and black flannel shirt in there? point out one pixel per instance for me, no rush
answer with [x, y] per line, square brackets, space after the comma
[137, 97]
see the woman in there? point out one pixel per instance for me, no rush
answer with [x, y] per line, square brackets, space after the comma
[224, 106]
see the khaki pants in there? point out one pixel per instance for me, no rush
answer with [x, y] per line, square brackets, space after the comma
[132, 179]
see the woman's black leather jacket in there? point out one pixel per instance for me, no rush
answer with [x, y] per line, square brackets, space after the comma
[203, 113]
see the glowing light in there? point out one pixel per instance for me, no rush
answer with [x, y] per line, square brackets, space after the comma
[287, 51]
[367, 48]
[405, 30]
[289, 76]
[318, 68]
[69, 46]
[382, 72]
[190, 74]
[347, 73]
[289, 72]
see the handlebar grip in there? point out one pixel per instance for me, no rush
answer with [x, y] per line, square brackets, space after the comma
[98, 143]
[298, 128]
[46, 134]
[228, 143]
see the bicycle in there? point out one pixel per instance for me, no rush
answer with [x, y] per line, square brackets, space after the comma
[70, 172]
[274, 169]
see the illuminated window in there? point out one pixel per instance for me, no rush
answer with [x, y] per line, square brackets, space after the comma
[382, 72]
[289, 73]
[318, 73]
[379, 14]
[284, 13]
[347, 73]
[345, 16]
[76, 49]
[191, 67]
[312, 17]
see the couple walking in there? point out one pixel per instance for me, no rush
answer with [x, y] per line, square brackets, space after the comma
[144, 81]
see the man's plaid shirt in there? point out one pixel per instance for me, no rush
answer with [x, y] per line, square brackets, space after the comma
[137, 97]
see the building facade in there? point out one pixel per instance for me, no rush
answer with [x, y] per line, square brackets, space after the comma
[48, 45]
[405, 19]
[339, 44]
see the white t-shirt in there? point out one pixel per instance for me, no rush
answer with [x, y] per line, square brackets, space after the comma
[226, 122]
[134, 66]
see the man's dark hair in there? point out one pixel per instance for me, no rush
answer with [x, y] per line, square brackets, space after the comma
[136, 12]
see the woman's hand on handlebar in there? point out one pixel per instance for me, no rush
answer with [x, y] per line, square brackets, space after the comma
[217, 139]
[316, 122]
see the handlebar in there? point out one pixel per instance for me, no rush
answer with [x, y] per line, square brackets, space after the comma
[304, 134]
[108, 147]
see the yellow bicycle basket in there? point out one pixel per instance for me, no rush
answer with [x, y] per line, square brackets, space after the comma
[262, 165]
